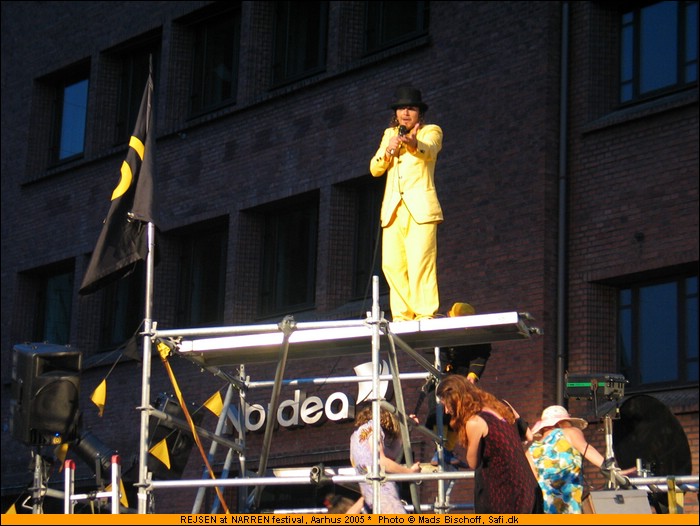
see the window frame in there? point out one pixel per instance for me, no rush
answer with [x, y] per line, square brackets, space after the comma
[289, 215]
[120, 323]
[380, 16]
[41, 322]
[201, 291]
[631, 61]
[367, 258]
[203, 98]
[64, 80]
[633, 319]
[135, 65]
[290, 44]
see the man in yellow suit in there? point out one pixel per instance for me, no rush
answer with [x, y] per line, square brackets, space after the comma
[410, 210]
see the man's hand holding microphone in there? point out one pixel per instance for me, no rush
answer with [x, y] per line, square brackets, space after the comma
[404, 137]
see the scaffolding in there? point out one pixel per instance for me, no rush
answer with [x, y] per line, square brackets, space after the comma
[215, 349]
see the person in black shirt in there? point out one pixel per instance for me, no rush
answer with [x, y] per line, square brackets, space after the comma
[465, 360]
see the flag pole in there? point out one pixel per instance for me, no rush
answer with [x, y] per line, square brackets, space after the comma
[146, 375]
[143, 493]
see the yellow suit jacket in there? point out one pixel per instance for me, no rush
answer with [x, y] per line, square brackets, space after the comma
[410, 177]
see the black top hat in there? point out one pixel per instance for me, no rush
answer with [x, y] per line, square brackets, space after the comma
[408, 96]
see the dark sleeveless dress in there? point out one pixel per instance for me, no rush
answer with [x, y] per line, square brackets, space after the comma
[503, 480]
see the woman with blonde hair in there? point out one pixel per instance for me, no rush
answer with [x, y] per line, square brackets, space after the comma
[504, 481]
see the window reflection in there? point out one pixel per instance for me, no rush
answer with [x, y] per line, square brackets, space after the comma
[73, 117]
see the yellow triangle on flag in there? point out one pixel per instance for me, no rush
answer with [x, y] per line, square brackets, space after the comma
[122, 493]
[11, 511]
[215, 404]
[99, 396]
[160, 451]
[61, 452]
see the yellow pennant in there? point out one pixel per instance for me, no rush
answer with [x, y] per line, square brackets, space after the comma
[160, 451]
[122, 494]
[99, 396]
[215, 404]
[61, 452]
[11, 511]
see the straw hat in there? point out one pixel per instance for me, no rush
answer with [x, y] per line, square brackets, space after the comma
[554, 414]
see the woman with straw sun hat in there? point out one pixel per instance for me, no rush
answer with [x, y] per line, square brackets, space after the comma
[557, 452]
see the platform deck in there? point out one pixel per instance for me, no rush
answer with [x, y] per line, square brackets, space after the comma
[315, 342]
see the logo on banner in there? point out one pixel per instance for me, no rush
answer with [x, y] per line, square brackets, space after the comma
[302, 409]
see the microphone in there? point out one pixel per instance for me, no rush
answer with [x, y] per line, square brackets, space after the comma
[402, 131]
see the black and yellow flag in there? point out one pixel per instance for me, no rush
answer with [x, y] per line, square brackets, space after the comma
[123, 240]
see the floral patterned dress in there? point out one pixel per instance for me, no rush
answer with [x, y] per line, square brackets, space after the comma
[361, 458]
[559, 471]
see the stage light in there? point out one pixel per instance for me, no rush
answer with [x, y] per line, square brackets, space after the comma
[595, 386]
[96, 454]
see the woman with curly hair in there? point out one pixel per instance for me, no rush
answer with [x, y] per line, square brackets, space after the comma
[390, 447]
[504, 481]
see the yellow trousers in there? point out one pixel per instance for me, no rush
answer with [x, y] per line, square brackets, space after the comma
[409, 262]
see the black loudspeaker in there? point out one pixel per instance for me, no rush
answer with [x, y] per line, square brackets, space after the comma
[178, 438]
[45, 405]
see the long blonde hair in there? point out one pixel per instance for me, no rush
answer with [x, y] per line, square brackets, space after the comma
[464, 400]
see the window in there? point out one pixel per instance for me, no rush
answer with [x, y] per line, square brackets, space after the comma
[135, 67]
[217, 43]
[300, 40]
[368, 253]
[658, 332]
[392, 23]
[71, 115]
[52, 288]
[289, 255]
[203, 275]
[215, 77]
[659, 49]
[124, 309]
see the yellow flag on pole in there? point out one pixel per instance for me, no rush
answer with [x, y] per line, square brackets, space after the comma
[99, 396]
[160, 451]
[215, 404]
[122, 493]
[124, 501]
[61, 452]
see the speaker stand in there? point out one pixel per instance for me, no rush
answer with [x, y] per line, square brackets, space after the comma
[39, 487]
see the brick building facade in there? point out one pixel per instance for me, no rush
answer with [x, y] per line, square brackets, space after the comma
[569, 187]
